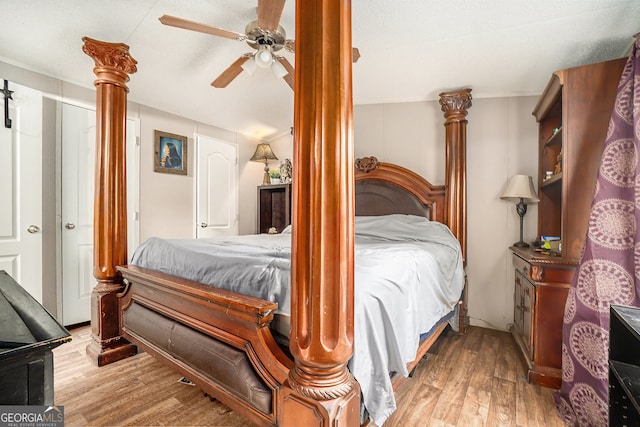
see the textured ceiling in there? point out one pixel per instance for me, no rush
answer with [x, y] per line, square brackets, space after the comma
[411, 50]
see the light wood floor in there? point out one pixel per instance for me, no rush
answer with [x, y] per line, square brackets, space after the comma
[466, 380]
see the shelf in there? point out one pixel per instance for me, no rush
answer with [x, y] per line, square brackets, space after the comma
[555, 140]
[629, 378]
[554, 179]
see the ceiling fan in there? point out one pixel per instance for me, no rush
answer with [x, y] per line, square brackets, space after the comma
[264, 35]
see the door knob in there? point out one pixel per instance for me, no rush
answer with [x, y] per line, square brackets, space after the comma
[33, 229]
[204, 225]
[69, 226]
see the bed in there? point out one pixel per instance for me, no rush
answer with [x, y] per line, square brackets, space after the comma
[223, 340]
[192, 327]
[408, 277]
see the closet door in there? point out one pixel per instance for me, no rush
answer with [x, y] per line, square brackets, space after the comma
[78, 158]
[21, 190]
[216, 188]
[78, 166]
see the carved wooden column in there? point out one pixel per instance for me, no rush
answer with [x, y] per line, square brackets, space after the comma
[113, 64]
[320, 390]
[455, 105]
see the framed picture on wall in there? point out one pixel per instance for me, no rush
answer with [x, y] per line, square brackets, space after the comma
[170, 153]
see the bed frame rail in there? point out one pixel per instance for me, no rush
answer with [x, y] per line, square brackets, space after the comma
[218, 339]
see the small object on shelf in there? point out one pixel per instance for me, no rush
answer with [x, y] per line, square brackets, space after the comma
[548, 175]
[286, 171]
[549, 252]
[558, 167]
[549, 238]
[274, 176]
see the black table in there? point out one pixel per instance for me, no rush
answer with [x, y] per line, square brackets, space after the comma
[28, 333]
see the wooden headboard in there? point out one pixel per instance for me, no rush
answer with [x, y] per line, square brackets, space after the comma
[385, 188]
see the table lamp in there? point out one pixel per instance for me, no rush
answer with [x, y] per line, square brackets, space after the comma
[520, 189]
[264, 154]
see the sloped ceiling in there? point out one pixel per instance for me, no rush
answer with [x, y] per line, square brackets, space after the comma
[411, 50]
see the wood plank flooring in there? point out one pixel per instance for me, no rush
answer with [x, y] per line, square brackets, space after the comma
[475, 379]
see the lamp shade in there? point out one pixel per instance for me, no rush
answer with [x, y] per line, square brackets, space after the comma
[250, 66]
[263, 153]
[520, 187]
[278, 69]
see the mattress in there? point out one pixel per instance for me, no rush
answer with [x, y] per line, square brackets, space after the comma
[408, 275]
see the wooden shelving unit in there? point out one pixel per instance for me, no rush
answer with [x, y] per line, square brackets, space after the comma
[573, 116]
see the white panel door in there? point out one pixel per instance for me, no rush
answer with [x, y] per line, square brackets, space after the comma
[78, 159]
[216, 188]
[21, 189]
[78, 166]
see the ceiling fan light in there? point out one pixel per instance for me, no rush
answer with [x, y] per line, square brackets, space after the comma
[278, 69]
[263, 57]
[250, 66]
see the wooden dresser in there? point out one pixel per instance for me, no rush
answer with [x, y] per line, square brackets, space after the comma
[541, 287]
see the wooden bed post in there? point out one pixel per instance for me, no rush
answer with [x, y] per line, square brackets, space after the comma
[455, 105]
[113, 64]
[320, 390]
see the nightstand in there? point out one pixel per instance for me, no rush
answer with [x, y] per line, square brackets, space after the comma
[274, 207]
[540, 293]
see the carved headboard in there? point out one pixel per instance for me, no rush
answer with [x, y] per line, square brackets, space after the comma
[384, 188]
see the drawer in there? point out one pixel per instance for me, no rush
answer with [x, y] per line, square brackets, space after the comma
[522, 266]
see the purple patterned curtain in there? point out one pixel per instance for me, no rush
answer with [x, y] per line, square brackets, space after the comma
[609, 271]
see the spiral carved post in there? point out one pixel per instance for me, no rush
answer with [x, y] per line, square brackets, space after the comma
[113, 64]
[455, 105]
[320, 390]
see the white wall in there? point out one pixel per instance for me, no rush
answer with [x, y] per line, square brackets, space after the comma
[166, 200]
[501, 141]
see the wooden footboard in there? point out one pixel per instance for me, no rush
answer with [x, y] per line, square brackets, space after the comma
[218, 339]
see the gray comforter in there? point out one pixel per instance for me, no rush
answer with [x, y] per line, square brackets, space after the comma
[408, 275]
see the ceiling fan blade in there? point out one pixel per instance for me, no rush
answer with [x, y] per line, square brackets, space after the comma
[230, 73]
[289, 77]
[290, 45]
[269, 13]
[201, 28]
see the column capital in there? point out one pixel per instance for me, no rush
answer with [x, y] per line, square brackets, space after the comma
[113, 63]
[107, 54]
[455, 104]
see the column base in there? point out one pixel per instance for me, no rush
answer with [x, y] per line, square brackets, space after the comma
[295, 409]
[103, 356]
[107, 345]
